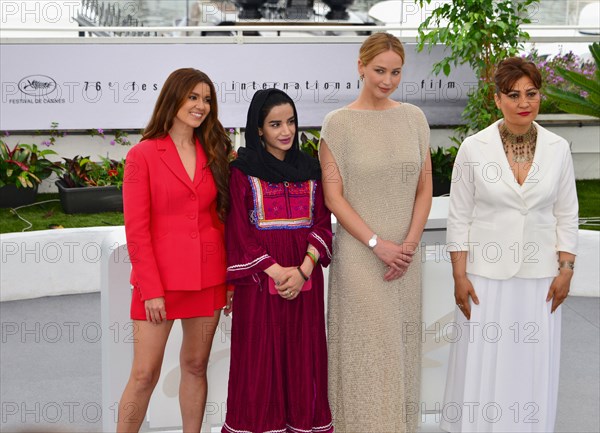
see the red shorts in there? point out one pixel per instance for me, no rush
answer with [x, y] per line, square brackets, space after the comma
[184, 304]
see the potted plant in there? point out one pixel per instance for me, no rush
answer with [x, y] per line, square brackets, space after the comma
[22, 169]
[442, 162]
[310, 144]
[88, 187]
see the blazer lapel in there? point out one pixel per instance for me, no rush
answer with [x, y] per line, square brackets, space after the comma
[201, 165]
[172, 160]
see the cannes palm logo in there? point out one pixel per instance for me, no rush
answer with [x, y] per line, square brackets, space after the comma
[37, 85]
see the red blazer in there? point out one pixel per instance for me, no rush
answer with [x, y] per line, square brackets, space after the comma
[174, 236]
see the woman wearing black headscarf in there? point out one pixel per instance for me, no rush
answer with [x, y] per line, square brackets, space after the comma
[278, 235]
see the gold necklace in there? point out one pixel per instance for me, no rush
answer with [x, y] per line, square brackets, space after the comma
[522, 146]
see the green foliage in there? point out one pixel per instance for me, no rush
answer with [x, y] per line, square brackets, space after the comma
[53, 134]
[76, 171]
[25, 166]
[81, 171]
[480, 33]
[122, 138]
[442, 162]
[585, 99]
[310, 144]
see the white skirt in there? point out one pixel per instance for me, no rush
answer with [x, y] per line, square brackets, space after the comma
[504, 362]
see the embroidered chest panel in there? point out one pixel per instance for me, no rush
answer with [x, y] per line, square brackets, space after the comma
[286, 205]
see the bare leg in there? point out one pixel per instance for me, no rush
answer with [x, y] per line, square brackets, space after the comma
[148, 351]
[198, 335]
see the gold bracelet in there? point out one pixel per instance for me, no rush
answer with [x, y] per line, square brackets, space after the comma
[566, 265]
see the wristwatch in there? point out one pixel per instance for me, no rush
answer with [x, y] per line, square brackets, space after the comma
[373, 241]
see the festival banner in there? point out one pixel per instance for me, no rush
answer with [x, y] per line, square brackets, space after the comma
[115, 86]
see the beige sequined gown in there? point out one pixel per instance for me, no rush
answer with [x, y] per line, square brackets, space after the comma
[373, 326]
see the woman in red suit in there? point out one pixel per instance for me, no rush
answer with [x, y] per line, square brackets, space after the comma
[175, 195]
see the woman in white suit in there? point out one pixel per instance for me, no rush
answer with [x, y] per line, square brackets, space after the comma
[512, 233]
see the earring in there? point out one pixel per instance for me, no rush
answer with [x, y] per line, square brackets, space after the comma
[362, 77]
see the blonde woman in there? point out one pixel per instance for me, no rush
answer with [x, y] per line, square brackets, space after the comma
[377, 181]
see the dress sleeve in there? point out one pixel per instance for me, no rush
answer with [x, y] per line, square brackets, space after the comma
[333, 133]
[424, 138]
[566, 208]
[245, 255]
[320, 237]
[462, 203]
[136, 210]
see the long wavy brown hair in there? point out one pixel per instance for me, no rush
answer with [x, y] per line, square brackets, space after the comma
[213, 138]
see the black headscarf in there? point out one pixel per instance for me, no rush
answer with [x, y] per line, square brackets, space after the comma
[254, 160]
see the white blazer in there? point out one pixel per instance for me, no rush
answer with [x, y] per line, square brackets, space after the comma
[511, 230]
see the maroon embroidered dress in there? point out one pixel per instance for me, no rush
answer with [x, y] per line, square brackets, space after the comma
[278, 374]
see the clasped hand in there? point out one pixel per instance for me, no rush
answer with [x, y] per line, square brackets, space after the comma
[288, 282]
[396, 257]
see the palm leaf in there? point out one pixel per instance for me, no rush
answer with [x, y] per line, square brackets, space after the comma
[595, 50]
[573, 103]
[580, 109]
[591, 86]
